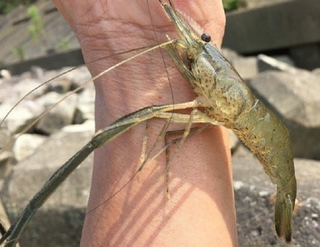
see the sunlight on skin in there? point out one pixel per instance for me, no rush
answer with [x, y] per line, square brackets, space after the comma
[201, 209]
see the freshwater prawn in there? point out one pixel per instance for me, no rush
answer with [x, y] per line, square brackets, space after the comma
[229, 102]
[225, 100]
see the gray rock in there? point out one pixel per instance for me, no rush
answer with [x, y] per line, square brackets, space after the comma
[25, 86]
[76, 75]
[60, 85]
[87, 126]
[58, 117]
[296, 100]
[67, 79]
[306, 56]
[4, 138]
[5, 166]
[26, 144]
[21, 116]
[79, 76]
[254, 196]
[85, 104]
[246, 66]
[241, 151]
[270, 63]
[234, 141]
[229, 54]
[37, 72]
[5, 156]
[316, 72]
[59, 222]
[4, 73]
[17, 87]
[260, 3]
[50, 75]
[6, 89]
[4, 218]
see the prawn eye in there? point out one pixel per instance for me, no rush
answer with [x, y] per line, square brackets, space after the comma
[206, 37]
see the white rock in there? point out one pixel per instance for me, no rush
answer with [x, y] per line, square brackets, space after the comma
[26, 145]
[58, 117]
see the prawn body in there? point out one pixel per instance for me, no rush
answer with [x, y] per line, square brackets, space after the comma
[230, 102]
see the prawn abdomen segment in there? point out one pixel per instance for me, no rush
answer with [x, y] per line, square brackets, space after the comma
[267, 137]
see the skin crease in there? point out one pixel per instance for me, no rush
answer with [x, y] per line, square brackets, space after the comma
[201, 209]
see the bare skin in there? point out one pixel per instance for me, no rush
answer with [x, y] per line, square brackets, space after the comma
[201, 209]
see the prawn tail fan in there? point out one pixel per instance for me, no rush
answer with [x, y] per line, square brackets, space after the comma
[283, 217]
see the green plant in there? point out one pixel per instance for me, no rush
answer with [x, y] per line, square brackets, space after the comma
[64, 44]
[230, 4]
[7, 6]
[36, 27]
